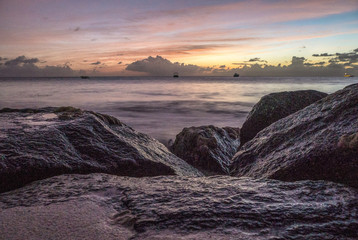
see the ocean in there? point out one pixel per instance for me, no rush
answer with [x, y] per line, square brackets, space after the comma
[160, 106]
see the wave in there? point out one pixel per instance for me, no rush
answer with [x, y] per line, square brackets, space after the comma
[183, 107]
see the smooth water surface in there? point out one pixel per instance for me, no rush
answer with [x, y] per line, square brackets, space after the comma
[159, 106]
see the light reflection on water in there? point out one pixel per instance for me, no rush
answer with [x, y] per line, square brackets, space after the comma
[159, 106]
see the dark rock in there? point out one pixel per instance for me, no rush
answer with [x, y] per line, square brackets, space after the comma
[273, 107]
[100, 206]
[35, 144]
[207, 148]
[318, 142]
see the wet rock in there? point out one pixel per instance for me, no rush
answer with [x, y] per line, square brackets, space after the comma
[318, 142]
[207, 148]
[273, 107]
[104, 207]
[40, 143]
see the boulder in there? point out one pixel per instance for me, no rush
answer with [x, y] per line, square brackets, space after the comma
[101, 206]
[207, 148]
[40, 143]
[317, 142]
[273, 107]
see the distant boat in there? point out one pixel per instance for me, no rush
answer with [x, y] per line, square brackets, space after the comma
[85, 77]
[348, 75]
[175, 74]
[236, 75]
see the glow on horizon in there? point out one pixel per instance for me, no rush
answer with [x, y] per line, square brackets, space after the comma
[205, 33]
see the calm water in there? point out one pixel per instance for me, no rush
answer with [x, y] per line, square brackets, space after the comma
[159, 106]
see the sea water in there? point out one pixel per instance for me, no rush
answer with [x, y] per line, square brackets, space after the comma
[159, 106]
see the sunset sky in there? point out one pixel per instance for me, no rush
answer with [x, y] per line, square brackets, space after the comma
[212, 36]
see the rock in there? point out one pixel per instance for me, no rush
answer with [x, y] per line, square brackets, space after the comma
[101, 206]
[317, 142]
[40, 143]
[273, 107]
[207, 148]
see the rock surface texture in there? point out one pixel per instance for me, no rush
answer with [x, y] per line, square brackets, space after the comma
[318, 142]
[207, 148]
[40, 143]
[273, 107]
[101, 206]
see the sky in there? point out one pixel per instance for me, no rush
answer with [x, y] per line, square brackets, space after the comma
[192, 37]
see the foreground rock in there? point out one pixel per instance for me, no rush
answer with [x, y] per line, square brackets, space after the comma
[273, 107]
[35, 144]
[100, 206]
[207, 148]
[318, 142]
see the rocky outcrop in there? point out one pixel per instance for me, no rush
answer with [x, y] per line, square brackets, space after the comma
[207, 148]
[40, 143]
[318, 142]
[100, 206]
[273, 107]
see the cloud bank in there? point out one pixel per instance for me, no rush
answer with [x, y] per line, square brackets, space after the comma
[323, 64]
[336, 66]
[27, 67]
[159, 66]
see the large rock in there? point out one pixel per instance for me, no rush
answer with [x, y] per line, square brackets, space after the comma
[318, 142]
[100, 206]
[35, 144]
[207, 148]
[273, 107]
